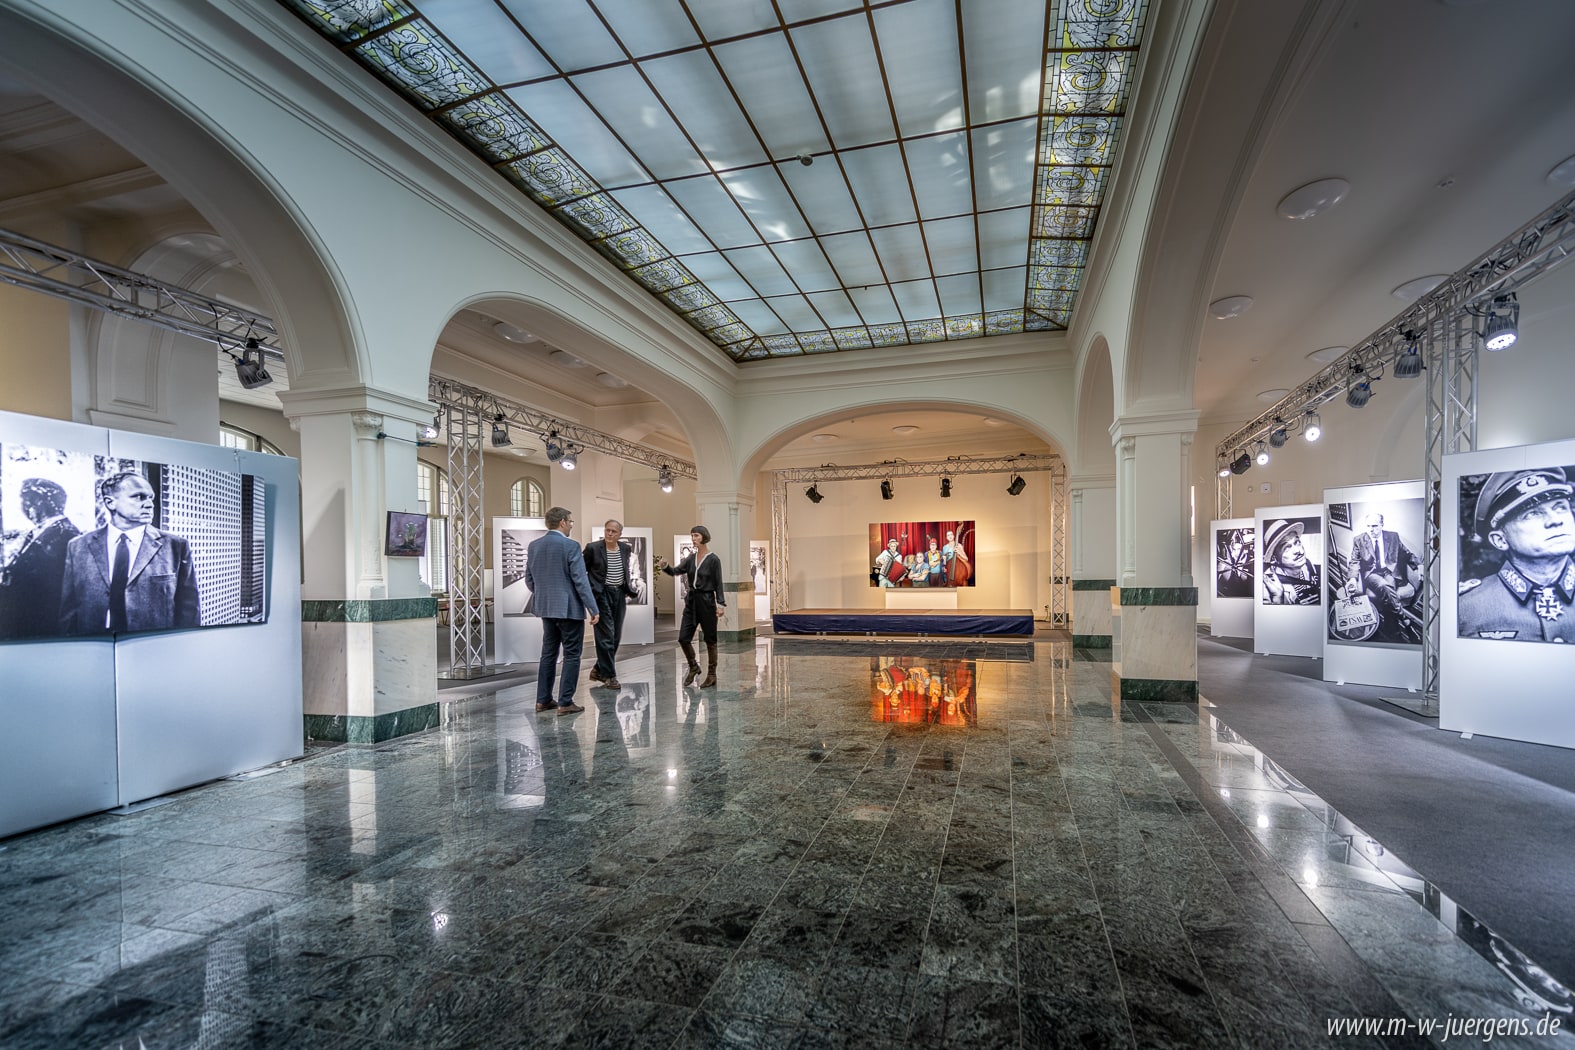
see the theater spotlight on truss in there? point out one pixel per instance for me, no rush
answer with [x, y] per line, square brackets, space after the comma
[571, 457]
[500, 431]
[430, 431]
[1501, 323]
[1312, 428]
[813, 493]
[554, 447]
[249, 367]
[1261, 454]
[1222, 466]
[1277, 433]
[1241, 464]
[664, 479]
[946, 488]
[1409, 364]
[1017, 485]
[1359, 392]
[887, 490]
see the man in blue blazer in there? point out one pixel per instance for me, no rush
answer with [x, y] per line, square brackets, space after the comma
[127, 575]
[561, 596]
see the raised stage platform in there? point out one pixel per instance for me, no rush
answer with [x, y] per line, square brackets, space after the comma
[948, 623]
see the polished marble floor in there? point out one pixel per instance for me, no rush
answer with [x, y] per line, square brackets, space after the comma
[840, 846]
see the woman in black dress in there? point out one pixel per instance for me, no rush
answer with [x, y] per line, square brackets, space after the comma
[702, 570]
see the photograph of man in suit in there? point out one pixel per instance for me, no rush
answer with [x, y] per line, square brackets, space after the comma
[1387, 570]
[560, 595]
[609, 562]
[127, 575]
[30, 582]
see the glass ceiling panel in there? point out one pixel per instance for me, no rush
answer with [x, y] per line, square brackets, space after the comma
[567, 32]
[665, 164]
[636, 117]
[918, 41]
[839, 59]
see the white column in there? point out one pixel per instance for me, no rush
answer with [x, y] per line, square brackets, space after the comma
[1093, 525]
[1153, 504]
[730, 516]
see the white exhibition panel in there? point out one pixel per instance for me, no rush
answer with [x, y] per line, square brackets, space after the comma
[516, 635]
[1510, 688]
[1373, 662]
[639, 621]
[760, 576]
[199, 705]
[1288, 630]
[683, 546]
[57, 754]
[920, 598]
[1231, 617]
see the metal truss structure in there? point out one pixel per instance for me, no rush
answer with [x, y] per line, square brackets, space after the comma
[1440, 327]
[467, 623]
[1055, 466]
[494, 409]
[40, 267]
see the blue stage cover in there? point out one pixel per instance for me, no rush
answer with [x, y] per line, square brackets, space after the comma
[998, 622]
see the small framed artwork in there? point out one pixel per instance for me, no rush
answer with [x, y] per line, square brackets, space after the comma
[407, 534]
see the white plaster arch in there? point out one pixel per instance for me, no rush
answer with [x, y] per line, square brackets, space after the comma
[1095, 408]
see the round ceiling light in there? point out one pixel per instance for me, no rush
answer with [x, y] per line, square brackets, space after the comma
[906, 428]
[512, 332]
[1327, 354]
[1413, 290]
[1313, 199]
[821, 439]
[994, 422]
[607, 379]
[1230, 306]
[1563, 172]
[565, 360]
[519, 451]
[1271, 396]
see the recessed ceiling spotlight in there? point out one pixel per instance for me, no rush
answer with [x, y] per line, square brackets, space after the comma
[1313, 199]
[564, 359]
[906, 428]
[1271, 396]
[821, 439]
[1230, 306]
[1563, 172]
[513, 333]
[1413, 290]
[607, 379]
[994, 422]
[518, 451]
[1327, 354]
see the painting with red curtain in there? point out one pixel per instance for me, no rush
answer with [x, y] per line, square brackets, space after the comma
[922, 554]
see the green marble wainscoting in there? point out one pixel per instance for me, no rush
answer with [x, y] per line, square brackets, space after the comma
[1159, 645]
[369, 668]
[1091, 614]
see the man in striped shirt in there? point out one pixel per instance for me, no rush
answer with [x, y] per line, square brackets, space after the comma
[608, 562]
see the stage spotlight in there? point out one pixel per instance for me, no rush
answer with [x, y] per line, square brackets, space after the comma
[1502, 326]
[430, 431]
[1277, 434]
[1222, 466]
[1261, 454]
[500, 431]
[570, 458]
[946, 488]
[554, 449]
[249, 367]
[1312, 429]
[1017, 485]
[664, 478]
[1359, 393]
[887, 491]
[813, 492]
[1241, 464]
[1409, 364]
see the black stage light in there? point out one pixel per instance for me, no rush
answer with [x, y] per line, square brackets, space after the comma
[886, 489]
[1241, 464]
[1359, 393]
[1409, 364]
[946, 488]
[250, 371]
[1017, 485]
[554, 450]
[500, 431]
[1277, 434]
[813, 492]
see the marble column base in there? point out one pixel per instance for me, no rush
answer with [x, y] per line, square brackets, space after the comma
[1159, 644]
[1092, 641]
[1091, 612]
[369, 668]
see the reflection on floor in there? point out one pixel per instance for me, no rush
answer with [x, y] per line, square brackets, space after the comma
[833, 848]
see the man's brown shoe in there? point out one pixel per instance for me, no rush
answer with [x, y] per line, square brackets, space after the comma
[570, 709]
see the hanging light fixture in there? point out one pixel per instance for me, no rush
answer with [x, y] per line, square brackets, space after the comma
[1501, 327]
[430, 431]
[1222, 465]
[1261, 454]
[1242, 463]
[1312, 429]
[249, 369]
[570, 458]
[1409, 364]
[500, 431]
[813, 493]
[554, 448]
[1359, 392]
[1277, 433]
[946, 488]
[887, 490]
[664, 479]
[1017, 485]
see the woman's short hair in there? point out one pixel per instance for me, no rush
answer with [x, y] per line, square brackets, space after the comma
[703, 532]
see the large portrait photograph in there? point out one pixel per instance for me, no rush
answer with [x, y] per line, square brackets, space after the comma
[638, 582]
[1292, 561]
[922, 554]
[1374, 573]
[99, 545]
[515, 598]
[1235, 567]
[1517, 534]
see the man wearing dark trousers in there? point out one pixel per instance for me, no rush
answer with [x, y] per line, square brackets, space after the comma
[561, 596]
[608, 563]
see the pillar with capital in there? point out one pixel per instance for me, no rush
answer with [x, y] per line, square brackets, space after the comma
[1154, 602]
[369, 639]
[730, 516]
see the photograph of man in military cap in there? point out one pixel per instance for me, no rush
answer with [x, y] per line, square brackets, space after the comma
[1292, 549]
[1523, 519]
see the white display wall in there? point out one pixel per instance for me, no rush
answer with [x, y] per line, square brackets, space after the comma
[683, 546]
[1364, 642]
[1503, 675]
[760, 576]
[1234, 597]
[1287, 615]
[639, 621]
[96, 722]
[516, 634]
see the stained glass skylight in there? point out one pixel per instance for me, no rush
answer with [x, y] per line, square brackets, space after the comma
[791, 177]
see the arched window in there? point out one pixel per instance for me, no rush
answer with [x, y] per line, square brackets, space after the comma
[235, 437]
[527, 500]
[432, 490]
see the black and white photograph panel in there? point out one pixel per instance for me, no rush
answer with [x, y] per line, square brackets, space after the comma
[515, 599]
[99, 545]
[1234, 567]
[1292, 561]
[639, 581]
[1517, 534]
[1374, 573]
